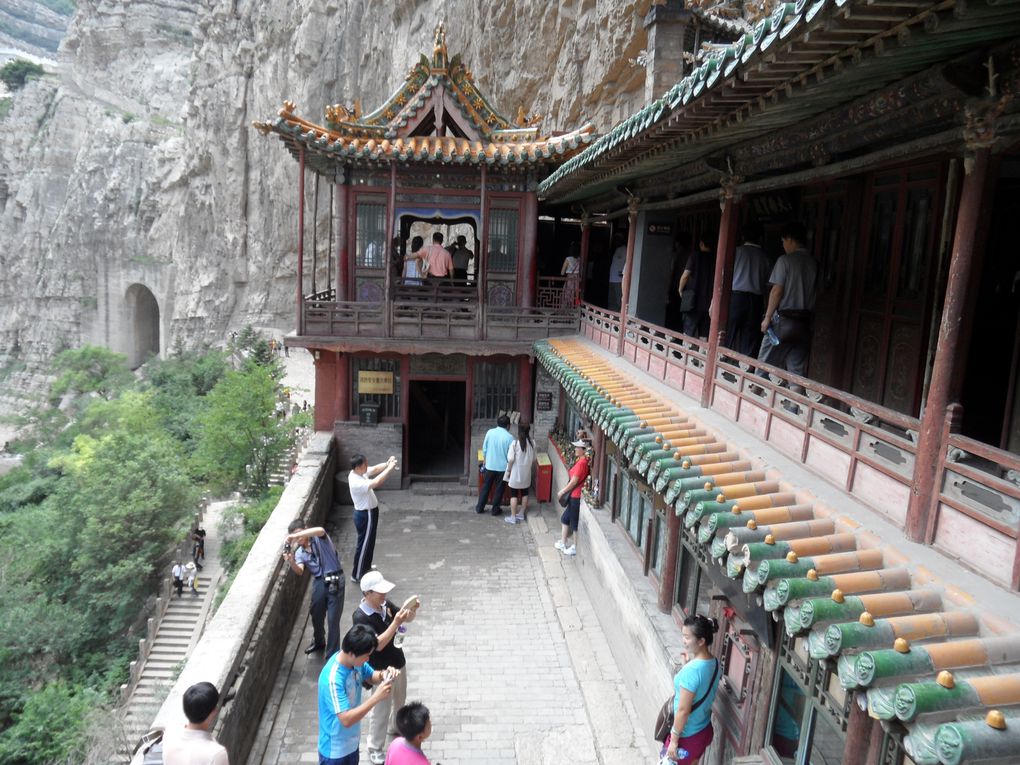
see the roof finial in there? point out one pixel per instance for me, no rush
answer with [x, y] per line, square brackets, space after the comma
[439, 57]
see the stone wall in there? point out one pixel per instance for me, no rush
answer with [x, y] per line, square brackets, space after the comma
[376, 442]
[544, 421]
[239, 651]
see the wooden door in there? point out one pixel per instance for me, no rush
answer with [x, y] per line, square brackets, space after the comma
[893, 294]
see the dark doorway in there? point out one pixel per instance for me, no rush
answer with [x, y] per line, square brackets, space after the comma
[436, 425]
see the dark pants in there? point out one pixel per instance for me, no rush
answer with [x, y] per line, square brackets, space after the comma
[615, 295]
[347, 759]
[483, 495]
[696, 324]
[325, 609]
[365, 522]
[179, 586]
[460, 274]
[743, 328]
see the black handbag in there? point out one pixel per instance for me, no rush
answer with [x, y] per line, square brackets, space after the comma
[564, 500]
[664, 721]
[792, 326]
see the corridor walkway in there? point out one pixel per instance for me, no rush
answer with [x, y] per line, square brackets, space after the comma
[505, 652]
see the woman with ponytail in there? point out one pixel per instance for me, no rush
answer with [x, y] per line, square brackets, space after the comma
[695, 686]
[519, 461]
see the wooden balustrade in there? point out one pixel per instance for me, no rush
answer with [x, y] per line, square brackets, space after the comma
[447, 312]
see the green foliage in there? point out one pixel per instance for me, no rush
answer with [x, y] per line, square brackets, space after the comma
[5, 106]
[49, 728]
[179, 386]
[240, 437]
[16, 74]
[91, 369]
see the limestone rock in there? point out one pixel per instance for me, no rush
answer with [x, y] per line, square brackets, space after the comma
[137, 163]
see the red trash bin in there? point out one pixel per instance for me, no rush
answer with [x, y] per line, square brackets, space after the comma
[543, 480]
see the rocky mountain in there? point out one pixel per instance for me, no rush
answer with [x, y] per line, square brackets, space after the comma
[35, 27]
[137, 163]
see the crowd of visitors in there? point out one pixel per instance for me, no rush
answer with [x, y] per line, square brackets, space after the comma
[434, 262]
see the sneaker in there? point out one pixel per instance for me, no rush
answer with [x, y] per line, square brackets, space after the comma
[497, 511]
[560, 546]
[521, 519]
[376, 757]
[511, 519]
[571, 551]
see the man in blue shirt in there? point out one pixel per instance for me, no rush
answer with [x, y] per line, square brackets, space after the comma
[495, 447]
[340, 705]
[317, 553]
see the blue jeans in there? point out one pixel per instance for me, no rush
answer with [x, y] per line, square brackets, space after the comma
[326, 609]
[347, 759]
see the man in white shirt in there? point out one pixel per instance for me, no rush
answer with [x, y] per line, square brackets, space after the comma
[363, 481]
[616, 267]
[193, 744]
[177, 572]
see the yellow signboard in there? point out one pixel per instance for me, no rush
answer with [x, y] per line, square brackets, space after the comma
[375, 382]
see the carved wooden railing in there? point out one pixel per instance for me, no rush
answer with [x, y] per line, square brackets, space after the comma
[862, 447]
[977, 518]
[557, 292]
[601, 325]
[667, 355]
[327, 295]
[448, 312]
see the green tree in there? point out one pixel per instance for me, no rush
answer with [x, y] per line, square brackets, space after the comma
[15, 74]
[49, 728]
[240, 436]
[179, 386]
[91, 369]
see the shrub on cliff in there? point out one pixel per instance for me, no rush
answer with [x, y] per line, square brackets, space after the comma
[15, 74]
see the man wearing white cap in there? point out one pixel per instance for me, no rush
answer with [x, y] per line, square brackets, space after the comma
[385, 618]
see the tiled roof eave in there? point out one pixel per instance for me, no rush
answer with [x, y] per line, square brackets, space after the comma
[849, 595]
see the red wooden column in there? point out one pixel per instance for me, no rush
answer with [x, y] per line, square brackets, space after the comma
[860, 730]
[524, 388]
[482, 253]
[530, 270]
[721, 285]
[669, 559]
[391, 214]
[343, 386]
[325, 389]
[301, 242]
[585, 245]
[627, 268]
[343, 253]
[931, 446]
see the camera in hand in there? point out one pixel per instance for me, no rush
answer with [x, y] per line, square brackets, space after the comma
[332, 580]
[287, 547]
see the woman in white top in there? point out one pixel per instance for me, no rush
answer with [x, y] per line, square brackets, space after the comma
[571, 269]
[412, 263]
[519, 460]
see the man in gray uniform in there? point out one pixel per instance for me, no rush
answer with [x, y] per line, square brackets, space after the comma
[750, 283]
[788, 316]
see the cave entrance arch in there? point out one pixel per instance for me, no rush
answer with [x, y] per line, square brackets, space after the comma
[143, 325]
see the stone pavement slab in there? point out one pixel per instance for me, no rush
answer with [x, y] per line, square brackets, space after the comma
[492, 652]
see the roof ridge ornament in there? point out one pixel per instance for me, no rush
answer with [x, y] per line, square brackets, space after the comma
[440, 59]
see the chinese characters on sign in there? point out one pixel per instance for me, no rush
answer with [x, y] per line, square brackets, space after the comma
[375, 382]
[543, 401]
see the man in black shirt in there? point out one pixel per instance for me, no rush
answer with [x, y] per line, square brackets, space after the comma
[386, 619]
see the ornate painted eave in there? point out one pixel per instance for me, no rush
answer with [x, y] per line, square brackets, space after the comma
[438, 94]
[916, 650]
[806, 58]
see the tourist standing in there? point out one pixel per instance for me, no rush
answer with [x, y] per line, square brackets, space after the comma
[579, 472]
[412, 263]
[616, 267]
[340, 706]
[363, 481]
[747, 301]
[790, 310]
[177, 573]
[385, 619]
[438, 260]
[494, 448]
[194, 742]
[461, 256]
[694, 690]
[317, 553]
[414, 725]
[697, 280]
[520, 459]
[571, 269]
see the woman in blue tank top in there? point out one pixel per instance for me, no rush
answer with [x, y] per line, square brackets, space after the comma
[694, 686]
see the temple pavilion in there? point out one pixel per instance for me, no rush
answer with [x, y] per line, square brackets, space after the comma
[427, 361]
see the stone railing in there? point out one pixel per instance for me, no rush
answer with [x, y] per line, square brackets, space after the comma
[166, 586]
[239, 651]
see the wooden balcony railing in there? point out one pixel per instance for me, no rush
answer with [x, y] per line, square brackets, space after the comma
[436, 312]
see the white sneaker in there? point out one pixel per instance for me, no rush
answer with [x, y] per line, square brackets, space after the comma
[510, 519]
[560, 546]
[376, 757]
[571, 551]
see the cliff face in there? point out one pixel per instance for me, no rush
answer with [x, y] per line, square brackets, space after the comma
[137, 164]
[33, 26]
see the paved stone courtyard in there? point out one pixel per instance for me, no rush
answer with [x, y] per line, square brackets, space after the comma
[505, 652]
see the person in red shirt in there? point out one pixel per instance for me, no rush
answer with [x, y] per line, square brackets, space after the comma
[440, 264]
[578, 475]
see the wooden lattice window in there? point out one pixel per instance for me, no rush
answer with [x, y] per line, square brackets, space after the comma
[495, 384]
[370, 244]
[502, 251]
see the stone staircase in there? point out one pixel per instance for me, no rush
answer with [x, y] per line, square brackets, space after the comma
[178, 631]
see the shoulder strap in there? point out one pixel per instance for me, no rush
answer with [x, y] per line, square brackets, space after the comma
[711, 685]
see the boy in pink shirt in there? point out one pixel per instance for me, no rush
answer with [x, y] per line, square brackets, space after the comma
[414, 725]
